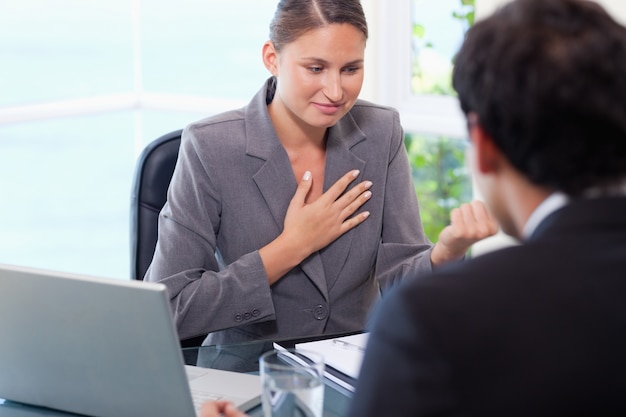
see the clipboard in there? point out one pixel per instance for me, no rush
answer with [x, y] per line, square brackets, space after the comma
[343, 355]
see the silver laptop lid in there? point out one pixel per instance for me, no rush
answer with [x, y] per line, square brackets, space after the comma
[90, 345]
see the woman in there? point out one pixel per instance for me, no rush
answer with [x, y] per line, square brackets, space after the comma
[288, 217]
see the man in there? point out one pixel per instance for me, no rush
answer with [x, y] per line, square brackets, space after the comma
[537, 329]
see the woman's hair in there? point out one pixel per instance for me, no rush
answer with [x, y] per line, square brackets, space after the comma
[293, 18]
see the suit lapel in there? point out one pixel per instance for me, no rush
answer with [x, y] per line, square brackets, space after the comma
[275, 178]
[277, 184]
[339, 160]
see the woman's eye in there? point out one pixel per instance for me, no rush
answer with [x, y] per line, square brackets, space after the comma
[315, 69]
[351, 70]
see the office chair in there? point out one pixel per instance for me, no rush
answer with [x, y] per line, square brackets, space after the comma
[153, 174]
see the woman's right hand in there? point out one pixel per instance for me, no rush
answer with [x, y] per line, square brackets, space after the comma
[312, 226]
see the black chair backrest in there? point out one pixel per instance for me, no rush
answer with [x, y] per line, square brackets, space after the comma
[153, 174]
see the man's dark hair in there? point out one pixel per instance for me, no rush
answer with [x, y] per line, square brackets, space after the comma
[547, 79]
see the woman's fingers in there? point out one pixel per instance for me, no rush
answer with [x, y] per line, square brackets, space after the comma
[355, 199]
[339, 186]
[303, 189]
[474, 222]
[314, 225]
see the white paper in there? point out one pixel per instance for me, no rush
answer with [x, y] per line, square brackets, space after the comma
[345, 354]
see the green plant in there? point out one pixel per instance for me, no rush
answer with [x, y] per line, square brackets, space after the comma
[438, 162]
[428, 76]
[440, 177]
[466, 15]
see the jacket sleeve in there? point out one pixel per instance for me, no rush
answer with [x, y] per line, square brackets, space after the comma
[205, 294]
[404, 248]
[403, 373]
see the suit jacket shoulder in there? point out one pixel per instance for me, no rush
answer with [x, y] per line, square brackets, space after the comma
[535, 329]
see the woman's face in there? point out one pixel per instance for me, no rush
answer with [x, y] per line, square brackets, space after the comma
[319, 75]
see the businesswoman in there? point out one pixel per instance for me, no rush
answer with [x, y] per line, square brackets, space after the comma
[288, 217]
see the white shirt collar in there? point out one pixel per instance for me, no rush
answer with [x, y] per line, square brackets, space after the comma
[551, 204]
[558, 199]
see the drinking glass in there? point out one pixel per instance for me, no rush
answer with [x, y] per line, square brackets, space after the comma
[292, 383]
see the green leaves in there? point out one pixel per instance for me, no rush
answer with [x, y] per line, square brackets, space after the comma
[428, 74]
[465, 16]
[438, 162]
[419, 31]
[440, 177]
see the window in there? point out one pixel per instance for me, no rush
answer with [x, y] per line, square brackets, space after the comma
[417, 40]
[85, 86]
[441, 178]
[436, 35]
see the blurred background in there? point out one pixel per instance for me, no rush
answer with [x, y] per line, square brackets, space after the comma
[86, 84]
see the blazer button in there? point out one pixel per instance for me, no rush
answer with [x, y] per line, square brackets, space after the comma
[238, 317]
[255, 312]
[247, 316]
[320, 312]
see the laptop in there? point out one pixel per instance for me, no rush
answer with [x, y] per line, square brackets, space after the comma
[101, 347]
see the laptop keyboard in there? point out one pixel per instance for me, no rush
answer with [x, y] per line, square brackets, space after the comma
[200, 397]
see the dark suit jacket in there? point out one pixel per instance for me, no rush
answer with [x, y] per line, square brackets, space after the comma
[228, 198]
[533, 330]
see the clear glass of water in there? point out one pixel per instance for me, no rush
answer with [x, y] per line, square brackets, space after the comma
[292, 383]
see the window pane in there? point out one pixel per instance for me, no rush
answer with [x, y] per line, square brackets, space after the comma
[54, 50]
[199, 47]
[441, 178]
[66, 187]
[66, 181]
[438, 29]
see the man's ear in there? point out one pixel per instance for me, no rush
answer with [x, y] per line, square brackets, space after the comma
[270, 58]
[488, 156]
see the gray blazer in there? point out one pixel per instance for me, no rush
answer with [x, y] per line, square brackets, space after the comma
[228, 197]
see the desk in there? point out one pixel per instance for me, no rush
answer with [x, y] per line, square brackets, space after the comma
[244, 358]
[236, 357]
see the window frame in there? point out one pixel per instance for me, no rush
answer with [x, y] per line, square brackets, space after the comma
[390, 58]
[387, 82]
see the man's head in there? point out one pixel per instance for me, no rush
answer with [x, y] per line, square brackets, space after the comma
[545, 80]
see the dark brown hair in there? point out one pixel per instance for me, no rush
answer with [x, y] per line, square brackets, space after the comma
[293, 18]
[547, 79]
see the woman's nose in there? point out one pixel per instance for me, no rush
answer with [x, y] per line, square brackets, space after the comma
[333, 89]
